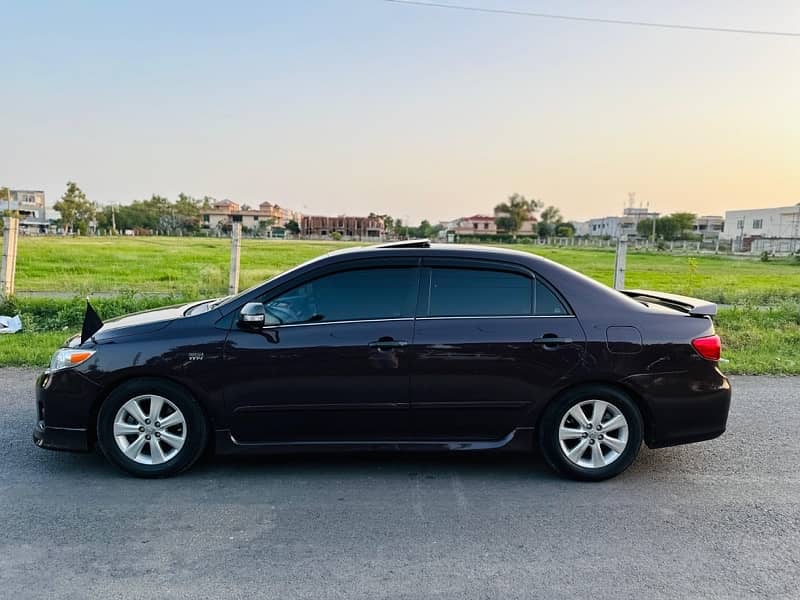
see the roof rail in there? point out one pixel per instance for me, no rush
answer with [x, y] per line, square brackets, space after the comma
[423, 243]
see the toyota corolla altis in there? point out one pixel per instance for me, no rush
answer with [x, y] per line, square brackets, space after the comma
[406, 346]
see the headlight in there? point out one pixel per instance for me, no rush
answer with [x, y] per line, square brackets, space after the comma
[69, 357]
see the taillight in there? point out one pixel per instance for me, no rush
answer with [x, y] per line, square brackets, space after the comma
[708, 347]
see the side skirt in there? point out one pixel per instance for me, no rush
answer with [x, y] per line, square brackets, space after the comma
[519, 440]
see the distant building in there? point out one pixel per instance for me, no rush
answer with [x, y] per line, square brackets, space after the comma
[709, 227]
[474, 225]
[224, 212]
[763, 229]
[485, 225]
[31, 208]
[615, 227]
[280, 215]
[598, 227]
[350, 228]
[631, 217]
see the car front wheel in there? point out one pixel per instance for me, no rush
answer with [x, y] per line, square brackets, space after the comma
[151, 428]
[591, 433]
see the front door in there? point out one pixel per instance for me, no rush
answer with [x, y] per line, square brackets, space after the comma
[481, 355]
[336, 367]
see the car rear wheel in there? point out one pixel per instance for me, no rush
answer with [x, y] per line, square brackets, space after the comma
[591, 433]
[151, 428]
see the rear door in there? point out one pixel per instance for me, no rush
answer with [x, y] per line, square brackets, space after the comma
[490, 342]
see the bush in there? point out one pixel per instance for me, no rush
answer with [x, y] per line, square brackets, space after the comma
[760, 340]
[764, 256]
[48, 314]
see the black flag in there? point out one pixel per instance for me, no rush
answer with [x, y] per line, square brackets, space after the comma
[91, 323]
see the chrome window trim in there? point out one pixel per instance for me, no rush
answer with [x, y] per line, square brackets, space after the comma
[338, 322]
[397, 319]
[498, 317]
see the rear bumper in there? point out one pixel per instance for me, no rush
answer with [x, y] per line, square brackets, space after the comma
[681, 409]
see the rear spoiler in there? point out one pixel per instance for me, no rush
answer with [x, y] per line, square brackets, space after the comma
[692, 306]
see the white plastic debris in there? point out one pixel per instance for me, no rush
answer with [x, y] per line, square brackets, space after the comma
[10, 324]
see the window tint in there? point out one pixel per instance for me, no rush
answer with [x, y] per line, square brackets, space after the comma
[546, 301]
[473, 292]
[350, 295]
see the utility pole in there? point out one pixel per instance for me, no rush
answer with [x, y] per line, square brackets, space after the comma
[8, 266]
[113, 221]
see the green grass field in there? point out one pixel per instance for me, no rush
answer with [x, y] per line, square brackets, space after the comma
[199, 267]
[193, 267]
[756, 340]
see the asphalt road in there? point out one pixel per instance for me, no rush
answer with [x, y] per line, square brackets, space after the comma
[719, 519]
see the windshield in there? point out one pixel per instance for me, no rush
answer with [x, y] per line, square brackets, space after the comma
[229, 299]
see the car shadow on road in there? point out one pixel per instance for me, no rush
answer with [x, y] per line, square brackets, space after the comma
[505, 466]
[423, 464]
[508, 467]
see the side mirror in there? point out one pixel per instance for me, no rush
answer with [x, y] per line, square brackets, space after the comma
[252, 316]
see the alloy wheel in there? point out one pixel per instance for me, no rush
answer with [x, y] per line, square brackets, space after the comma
[593, 434]
[149, 429]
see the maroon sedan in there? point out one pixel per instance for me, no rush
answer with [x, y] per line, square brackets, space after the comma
[406, 346]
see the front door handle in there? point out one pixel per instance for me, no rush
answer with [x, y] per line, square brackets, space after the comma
[388, 344]
[553, 340]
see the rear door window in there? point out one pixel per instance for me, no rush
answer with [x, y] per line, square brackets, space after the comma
[478, 292]
[546, 303]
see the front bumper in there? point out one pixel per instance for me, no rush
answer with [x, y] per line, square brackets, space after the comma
[61, 438]
[64, 402]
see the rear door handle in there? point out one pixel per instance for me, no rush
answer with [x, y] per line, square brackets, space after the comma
[386, 344]
[552, 341]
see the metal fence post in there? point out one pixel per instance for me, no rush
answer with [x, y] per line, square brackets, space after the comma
[619, 263]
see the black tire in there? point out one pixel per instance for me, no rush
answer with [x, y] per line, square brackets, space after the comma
[550, 423]
[196, 427]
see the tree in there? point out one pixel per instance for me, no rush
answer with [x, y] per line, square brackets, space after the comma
[666, 229]
[424, 230]
[549, 220]
[645, 228]
[510, 215]
[565, 229]
[683, 222]
[75, 209]
[264, 224]
[670, 227]
[154, 214]
[551, 214]
[293, 227]
[187, 211]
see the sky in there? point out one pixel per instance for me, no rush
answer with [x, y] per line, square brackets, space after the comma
[358, 106]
